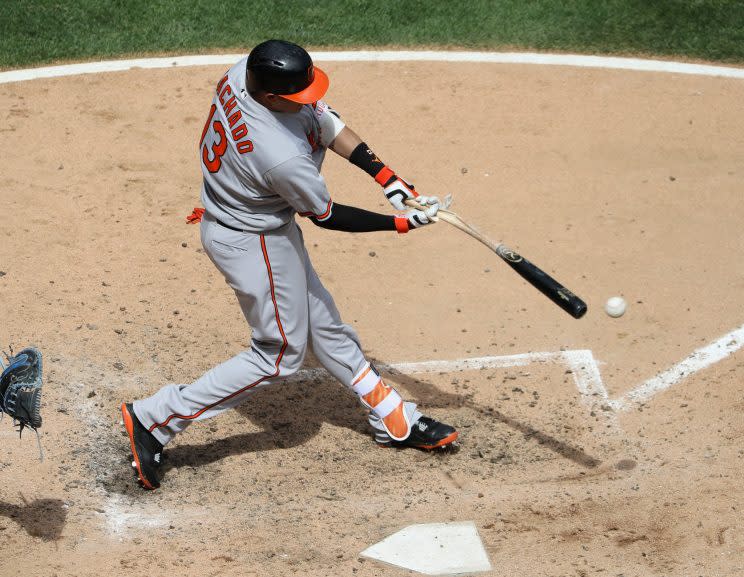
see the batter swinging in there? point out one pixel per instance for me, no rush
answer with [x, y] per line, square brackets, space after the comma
[261, 152]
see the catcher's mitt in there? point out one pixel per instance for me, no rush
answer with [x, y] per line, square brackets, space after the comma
[20, 388]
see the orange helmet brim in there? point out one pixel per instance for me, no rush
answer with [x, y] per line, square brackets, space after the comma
[313, 92]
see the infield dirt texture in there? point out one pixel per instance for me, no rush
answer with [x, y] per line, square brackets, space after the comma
[616, 182]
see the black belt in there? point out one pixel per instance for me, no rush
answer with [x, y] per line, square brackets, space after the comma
[218, 221]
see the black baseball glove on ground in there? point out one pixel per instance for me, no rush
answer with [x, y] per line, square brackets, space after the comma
[20, 389]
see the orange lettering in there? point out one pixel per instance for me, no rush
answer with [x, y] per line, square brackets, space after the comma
[245, 146]
[230, 104]
[222, 83]
[218, 148]
[227, 90]
[206, 125]
[234, 118]
[239, 131]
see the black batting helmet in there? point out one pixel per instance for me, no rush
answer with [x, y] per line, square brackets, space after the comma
[286, 69]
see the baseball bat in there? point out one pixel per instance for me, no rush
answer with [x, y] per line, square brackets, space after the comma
[538, 278]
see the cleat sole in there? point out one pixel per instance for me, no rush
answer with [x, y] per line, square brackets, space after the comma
[129, 426]
[444, 443]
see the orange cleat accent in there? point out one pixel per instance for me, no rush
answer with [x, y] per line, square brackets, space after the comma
[146, 449]
[427, 434]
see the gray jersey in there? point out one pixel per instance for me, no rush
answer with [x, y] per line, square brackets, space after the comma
[259, 166]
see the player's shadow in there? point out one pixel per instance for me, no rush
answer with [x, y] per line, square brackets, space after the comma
[43, 518]
[290, 414]
[433, 397]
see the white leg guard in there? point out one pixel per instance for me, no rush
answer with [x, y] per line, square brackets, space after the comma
[389, 414]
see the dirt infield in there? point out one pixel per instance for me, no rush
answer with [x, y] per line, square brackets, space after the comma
[615, 182]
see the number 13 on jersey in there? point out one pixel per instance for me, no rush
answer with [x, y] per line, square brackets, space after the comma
[213, 160]
[213, 149]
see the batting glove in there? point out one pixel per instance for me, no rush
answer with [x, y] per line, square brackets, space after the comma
[415, 218]
[418, 218]
[398, 191]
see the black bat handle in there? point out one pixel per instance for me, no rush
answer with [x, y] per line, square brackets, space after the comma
[543, 282]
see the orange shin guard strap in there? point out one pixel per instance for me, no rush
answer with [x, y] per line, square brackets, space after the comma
[396, 423]
[384, 402]
[377, 395]
[387, 405]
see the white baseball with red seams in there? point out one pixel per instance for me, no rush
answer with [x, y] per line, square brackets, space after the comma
[615, 306]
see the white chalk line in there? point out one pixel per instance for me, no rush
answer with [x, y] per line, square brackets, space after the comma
[581, 363]
[576, 60]
[585, 370]
[698, 360]
[122, 514]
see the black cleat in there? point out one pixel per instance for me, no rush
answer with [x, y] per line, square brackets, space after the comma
[427, 434]
[146, 449]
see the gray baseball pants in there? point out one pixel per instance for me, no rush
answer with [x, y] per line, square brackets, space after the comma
[287, 308]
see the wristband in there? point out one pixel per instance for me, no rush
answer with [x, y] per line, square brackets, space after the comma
[385, 176]
[401, 224]
[367, 160]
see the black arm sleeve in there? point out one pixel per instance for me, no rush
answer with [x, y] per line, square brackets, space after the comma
[352, 219]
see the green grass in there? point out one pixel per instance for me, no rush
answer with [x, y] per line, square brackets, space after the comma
[42, 31]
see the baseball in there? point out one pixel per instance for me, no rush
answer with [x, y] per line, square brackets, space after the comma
[615, 306]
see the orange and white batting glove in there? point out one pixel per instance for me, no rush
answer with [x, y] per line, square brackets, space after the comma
[398, 191]
[416, 218]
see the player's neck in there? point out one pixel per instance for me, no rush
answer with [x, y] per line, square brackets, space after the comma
[276, 103]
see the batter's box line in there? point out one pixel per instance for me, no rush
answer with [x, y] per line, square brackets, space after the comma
[698, 360]
[583, 367]
[581, 364]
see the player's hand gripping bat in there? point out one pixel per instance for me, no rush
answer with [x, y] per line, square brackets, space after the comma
[543, 282]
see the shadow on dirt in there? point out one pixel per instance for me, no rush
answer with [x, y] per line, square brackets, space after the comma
[291, 414]
[575, 454]
[430, 396]
[288, 414]
[43, 518]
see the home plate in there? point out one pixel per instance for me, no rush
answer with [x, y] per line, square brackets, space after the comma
[433, 549]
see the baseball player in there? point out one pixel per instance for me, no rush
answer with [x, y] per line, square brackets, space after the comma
[261, 151]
